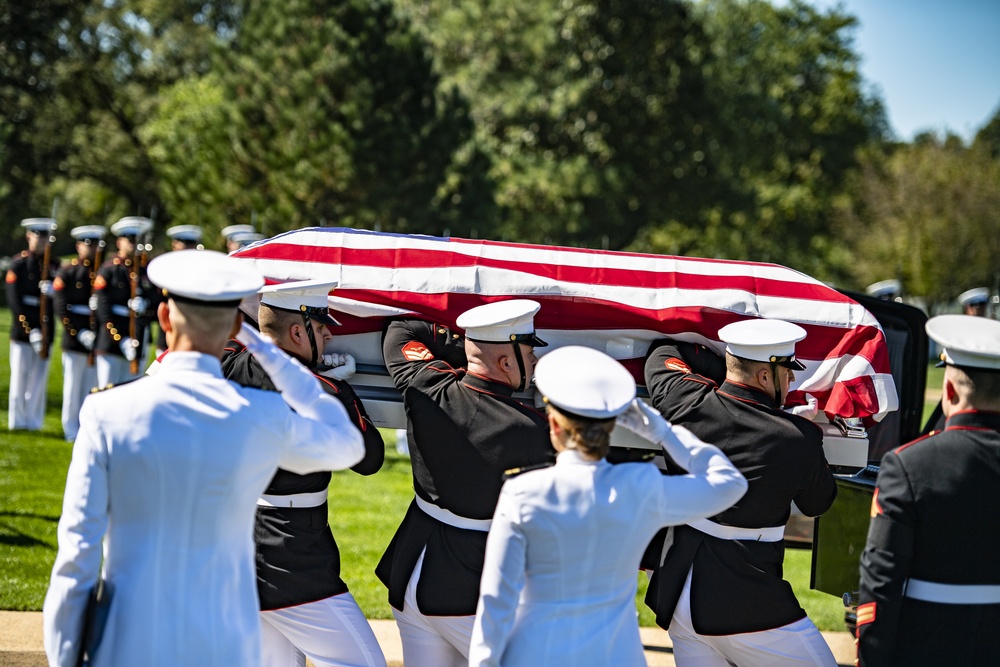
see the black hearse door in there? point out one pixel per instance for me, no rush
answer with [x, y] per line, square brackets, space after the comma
[840, 534]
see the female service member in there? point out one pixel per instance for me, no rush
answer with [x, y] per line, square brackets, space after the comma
[559, 580]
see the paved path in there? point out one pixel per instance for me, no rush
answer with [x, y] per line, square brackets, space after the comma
[21, 642]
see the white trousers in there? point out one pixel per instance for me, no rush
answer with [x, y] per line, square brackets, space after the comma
[112, 369]
[29, 377]
[797, 644]
[331, 632]
[78, 379]
[431, 641]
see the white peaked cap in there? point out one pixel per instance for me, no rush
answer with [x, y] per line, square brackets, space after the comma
[133, 225]
[227, 232]
[502, 322]
[204, 276]
[583, 382]
[190, 233]
[245, 238]
[974, 296]
[885, 288]
[763, 340]
[306, 296]
[967, 341]
[88, 232]
[39, 224]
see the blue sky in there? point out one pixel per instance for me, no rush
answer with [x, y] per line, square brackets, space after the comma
[936, 63]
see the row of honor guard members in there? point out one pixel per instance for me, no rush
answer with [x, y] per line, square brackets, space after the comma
[93, 302]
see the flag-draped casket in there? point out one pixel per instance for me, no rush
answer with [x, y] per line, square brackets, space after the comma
[613, 301]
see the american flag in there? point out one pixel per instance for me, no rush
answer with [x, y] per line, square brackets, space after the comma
[615, 302]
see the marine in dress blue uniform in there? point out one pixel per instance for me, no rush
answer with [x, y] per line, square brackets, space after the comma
[717, 585]
[306, 608]
[115, 347]
[164, 480]
[238, 236]
[930, 585]
[182, 237]
[29, 372]
[464, 429]
[975, 301]
[559, 580]
[73, 288]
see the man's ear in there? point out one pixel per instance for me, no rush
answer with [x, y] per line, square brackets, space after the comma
[763, 376]
[504, 362]
[950, 394]
[163, 316]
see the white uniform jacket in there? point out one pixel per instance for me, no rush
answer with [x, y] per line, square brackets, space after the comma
[167, 470]
[562, 557]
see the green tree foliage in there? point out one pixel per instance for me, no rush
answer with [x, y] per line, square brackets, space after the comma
[793, 116]
[316, 114]
[78, 82]
[988, 137]
[926, 213]
[30, 50]
[593, 114]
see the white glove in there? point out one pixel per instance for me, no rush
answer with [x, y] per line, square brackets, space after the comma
[300, 388]
[680, 444]
[809, 410]
[35, 338]
[45, 287]
[342, 366]
[87, 338]
[138, 305]
[129, 347]
[92, 302]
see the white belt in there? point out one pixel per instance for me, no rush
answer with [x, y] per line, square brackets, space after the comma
[929, 591]
[29, 300]
[121, 311]
[444, 516]
[772, 534]
[300, 500]
[78, 308]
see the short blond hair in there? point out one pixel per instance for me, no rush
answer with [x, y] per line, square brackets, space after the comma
[592, 437]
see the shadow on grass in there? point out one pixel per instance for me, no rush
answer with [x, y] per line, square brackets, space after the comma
[12, 536]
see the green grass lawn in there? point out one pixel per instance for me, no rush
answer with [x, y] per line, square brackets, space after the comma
[364, 512]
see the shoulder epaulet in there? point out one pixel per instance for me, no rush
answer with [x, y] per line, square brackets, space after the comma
[97, 390]
[514, 472]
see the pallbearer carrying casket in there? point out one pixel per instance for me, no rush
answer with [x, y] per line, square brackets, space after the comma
[930, 585]
[465, 429]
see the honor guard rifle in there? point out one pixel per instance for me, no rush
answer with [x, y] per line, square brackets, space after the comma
[95, 266]
[43, 300]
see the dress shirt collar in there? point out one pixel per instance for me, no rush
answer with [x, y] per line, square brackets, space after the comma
[190, 361]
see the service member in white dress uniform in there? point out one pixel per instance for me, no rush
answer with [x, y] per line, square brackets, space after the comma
[166, 472]
[562, 557]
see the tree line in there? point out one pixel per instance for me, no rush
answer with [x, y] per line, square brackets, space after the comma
[720, 128]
